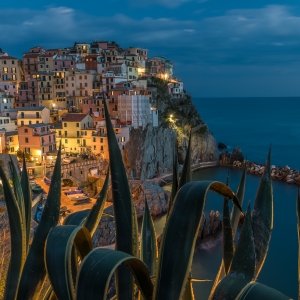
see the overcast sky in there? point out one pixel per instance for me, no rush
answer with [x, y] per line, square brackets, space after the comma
[219, 48]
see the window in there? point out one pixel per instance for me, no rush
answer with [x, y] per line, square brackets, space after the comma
[37, 122]
[123, 139]
[22, 123]
[94, 147]
[26, 140]
[85, 84]
[80, 77]
[101, 140]
[12, 149]
[101, 148]
[85, 77]
[5, 70]
[94, 140]
[66, 133]
[13, 70]
[78, 141]
[77, 124]
[12, 62]
[65, 124]
[29, 122]
[66, 141]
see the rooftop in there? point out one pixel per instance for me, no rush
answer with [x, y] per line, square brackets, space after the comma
[74, 117]
[32, 108]
[11, 133]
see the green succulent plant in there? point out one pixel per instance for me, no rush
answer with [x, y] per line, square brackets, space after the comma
[77, 271]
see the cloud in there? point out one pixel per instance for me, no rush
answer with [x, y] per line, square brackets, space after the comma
[166, 3]
[266, 36]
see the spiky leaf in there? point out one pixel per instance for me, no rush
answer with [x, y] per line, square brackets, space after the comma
[262, 216]
[34, 271]
[186, 174]
[148, 241]
[242, 267]
[95, 214]
[27, 199]
[177, 245]
[58, 257]
[174, 179]
[17, 239]
[77, 218]
[255, 290]
[235, 214]
[228, 245]
[124, 211]
[92, 284]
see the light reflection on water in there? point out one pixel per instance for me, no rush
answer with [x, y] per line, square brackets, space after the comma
[280, 268]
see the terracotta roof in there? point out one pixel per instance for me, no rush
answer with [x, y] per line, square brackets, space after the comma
[31, 55]
[7, 57]
[74, 117]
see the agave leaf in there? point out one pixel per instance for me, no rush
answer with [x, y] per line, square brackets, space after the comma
[17, 239]
[95, 214]
[58, 256]
[298, 227]
[242, 267]
[235, 214]
[175, 178]
[186, 174]
[17, 187]
[255, 290]
[178, 242]
[124, 211]
[92, 284]
[77, 218]
[262, 216]
[34, 271]
[27, 199]
[228, 245]
[148, 241]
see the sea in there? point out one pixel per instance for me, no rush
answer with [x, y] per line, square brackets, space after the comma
[253, 124]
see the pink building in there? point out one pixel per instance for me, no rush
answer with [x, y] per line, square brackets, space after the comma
[89, 106]
[22, 100]
[37, 139]
[64, 62]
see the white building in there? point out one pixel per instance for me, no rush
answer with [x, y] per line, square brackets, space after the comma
[135, 109]
[7, 124]
[33, 115]
[6, 101]
[175, 88]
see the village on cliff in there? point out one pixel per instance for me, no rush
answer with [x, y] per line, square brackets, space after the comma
[57, 95]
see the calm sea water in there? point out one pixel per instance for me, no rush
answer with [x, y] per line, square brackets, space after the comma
[253, 124]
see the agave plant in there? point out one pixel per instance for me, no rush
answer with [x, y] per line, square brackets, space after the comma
[76, 271]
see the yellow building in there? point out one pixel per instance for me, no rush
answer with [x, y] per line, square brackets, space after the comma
[11, 70]
[12, 141]
[75, 132]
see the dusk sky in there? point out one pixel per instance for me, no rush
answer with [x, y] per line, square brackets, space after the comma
[219, 48]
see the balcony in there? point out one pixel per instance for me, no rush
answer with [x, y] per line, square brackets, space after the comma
[80, 88]
[47, 143]
[40, 133]
[29, 116]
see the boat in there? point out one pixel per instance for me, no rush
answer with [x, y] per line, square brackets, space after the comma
[47, 180]
[72, 192]
[37, 189]
[80, 199]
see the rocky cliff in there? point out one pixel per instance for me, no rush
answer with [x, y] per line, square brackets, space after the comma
[149, 152]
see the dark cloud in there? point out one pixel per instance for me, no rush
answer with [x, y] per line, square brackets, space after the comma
[236, 40]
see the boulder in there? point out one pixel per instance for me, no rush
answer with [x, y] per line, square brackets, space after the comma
[222, 146]
[237, 154]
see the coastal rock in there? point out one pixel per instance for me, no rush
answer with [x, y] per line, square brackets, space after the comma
[222, 146]
[149, 152]
[237, 154]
